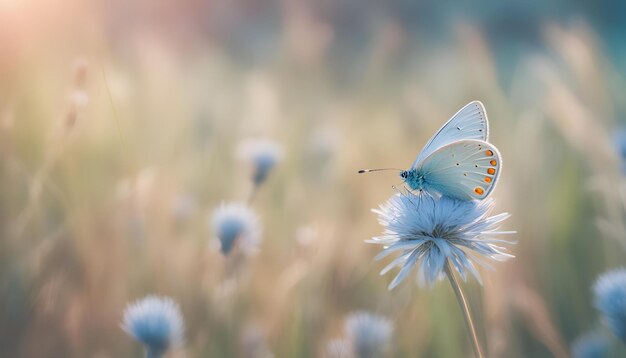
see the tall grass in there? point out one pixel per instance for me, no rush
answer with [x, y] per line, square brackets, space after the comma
[116, 208]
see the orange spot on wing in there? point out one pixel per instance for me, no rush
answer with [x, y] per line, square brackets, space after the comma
[491, 171]
[493, 162]
[488, 179]
[479, 191]
[489, 153]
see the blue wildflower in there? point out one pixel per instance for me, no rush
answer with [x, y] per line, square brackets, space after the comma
[263, 155]
[156, 322]
[610, 300]
[430, 230]
[369, 334]
[593, 344]
[619, 140]
[236, 224]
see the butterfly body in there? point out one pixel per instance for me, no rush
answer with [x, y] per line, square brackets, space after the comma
[414, 178]
[458, 161]
[417, 180]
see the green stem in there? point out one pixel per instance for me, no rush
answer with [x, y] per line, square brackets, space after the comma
[478, 352]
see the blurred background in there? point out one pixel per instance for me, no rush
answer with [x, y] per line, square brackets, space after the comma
[119, 127]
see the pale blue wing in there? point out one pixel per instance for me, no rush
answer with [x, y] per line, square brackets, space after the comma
[466, 169]
[470, 122]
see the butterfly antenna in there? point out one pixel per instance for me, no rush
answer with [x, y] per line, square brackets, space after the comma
[376, 170]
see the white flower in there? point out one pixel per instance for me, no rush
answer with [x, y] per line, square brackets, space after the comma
[593, 344]
[236, 224]
[262, 154]
[429, 230]
[156, 322]
[369, 334]
[610, 300]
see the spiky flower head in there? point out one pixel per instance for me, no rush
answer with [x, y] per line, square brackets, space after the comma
[610, 300]
[156, 322]
[428, 230]
[369, 334]
[593, 344]
[236, 224]
[619, 144]
[262, 154]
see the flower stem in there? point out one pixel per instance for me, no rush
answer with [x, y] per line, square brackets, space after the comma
[153, 353]
[478, 352]
[255, 189]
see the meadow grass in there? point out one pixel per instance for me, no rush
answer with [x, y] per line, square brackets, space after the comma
[105, 194]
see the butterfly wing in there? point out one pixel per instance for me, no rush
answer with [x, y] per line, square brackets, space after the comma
[466, 169]
[470, 122]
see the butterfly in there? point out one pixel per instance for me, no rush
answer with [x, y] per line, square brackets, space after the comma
[457, 161]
